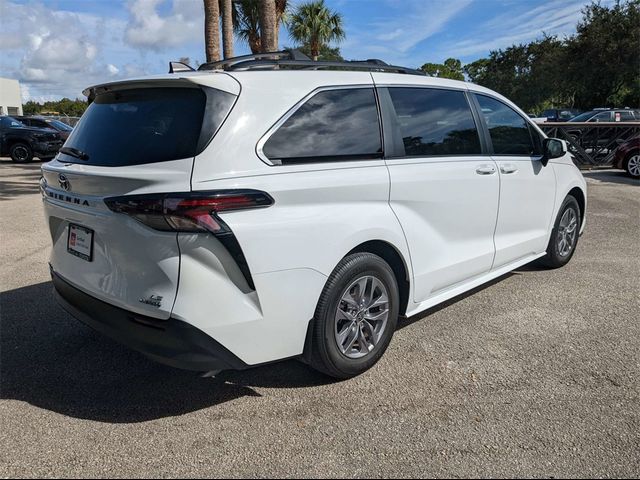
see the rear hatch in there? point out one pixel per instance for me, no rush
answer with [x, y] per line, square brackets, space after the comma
[136, 138]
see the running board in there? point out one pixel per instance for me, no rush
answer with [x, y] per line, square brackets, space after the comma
[476, 282]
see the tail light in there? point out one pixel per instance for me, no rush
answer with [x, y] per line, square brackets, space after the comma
[188, 212]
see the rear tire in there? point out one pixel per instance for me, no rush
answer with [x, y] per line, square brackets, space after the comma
[355, 318]
[632, 165]
[21, 153]
[564, 236]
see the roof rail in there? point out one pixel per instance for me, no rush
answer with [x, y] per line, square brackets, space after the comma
[227, 63]
[294, 59]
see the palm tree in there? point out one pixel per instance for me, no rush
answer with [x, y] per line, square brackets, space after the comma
[226, 7]
[281, 17]
[247, 26]
[268, 25]
[212, 30]
[315, 25]
[247, 21]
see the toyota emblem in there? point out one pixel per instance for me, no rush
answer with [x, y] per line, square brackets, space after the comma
[64, 182]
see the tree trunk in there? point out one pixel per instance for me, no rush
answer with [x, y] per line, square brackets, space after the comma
[255, 44]
[227, 28]
[281, 6]
[315, 49]
[268, 25]
[212, 30]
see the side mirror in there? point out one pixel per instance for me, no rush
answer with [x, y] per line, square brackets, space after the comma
[552, 148]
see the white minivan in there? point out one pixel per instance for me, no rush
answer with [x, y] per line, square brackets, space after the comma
[265, 208]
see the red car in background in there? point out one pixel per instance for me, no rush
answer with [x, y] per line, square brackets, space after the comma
[627, 157]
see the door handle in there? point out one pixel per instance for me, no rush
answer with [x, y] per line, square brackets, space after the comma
[486, 170]
[508, 168]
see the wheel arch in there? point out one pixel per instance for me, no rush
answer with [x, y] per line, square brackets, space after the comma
[10, 142]
[578, 194]
[394, 258]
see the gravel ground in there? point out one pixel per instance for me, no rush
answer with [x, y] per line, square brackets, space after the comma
[535, 375]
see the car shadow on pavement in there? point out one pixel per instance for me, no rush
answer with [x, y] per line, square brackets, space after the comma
[17, 179]
[611, 176]
[51, 361]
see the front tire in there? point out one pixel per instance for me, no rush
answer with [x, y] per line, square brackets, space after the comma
[632, 165]
[564, 236]
[355, 318]
[21, 153]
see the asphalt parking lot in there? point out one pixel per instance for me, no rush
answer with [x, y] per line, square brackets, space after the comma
[535, 375]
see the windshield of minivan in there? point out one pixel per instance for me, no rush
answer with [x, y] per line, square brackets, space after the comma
[145, 125]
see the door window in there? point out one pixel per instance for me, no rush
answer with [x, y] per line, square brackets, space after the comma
[602, 117]
[509, 131]
[435, 122]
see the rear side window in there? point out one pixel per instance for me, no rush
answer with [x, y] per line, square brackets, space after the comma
[332, 125]
[626, 116]
[148, 125]
[509, 132]
[435, 122]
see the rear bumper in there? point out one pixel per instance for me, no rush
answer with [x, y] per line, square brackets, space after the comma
[172, 342]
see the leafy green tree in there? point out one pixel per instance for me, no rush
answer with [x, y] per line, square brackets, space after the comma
[451, 68]
[65, 106]
[315, 25]
[598, 66]
[605, 55]
[31, 108]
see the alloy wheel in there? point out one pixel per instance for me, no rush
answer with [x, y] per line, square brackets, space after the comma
[633, 165]
[567, 232]
[361, 317]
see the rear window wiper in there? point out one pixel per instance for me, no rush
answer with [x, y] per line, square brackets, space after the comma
[74, 152]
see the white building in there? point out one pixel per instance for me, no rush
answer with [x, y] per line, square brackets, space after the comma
[10, 98]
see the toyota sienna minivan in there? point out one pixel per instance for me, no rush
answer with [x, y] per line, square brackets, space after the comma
[270, 207]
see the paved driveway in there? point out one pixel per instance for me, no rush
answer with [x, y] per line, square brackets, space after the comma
[537, 374]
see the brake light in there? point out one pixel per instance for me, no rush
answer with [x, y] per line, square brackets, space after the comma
[188, 212]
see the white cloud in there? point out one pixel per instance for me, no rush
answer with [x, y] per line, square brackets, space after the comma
[557, 17]
[52, 52]
[147, 28]
[406, 24]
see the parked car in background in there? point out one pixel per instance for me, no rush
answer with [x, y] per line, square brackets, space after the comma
[612, 115]
[559, 114]
[602, 139]
[42, 122]
[627, 157]
[22, 143]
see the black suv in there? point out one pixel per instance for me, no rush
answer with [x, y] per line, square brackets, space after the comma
[42, 122]
[22, 143]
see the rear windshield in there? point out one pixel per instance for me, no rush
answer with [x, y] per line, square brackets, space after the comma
[148, 125]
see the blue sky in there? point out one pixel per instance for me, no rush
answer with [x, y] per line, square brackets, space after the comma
[58, 47]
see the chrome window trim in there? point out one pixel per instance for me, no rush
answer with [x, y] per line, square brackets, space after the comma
[295, 108]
